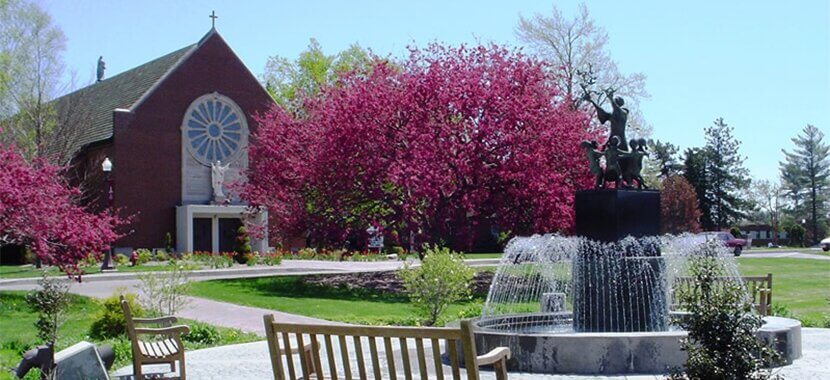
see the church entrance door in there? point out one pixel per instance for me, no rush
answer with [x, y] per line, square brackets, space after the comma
[203, 234]
[228, 231]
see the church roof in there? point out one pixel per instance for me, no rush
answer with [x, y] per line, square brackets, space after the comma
[98, 101]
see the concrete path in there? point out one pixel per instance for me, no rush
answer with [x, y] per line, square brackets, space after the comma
[251, 361]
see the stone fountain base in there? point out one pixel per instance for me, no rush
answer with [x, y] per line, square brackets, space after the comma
[557, 351]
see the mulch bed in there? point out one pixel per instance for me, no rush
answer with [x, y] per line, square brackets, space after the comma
[385, 282]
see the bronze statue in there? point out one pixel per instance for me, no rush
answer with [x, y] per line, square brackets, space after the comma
[618, 116]
[634, 163]
[591, 149]
[613, 154]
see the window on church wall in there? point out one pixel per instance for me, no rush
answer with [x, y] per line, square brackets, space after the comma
[215, 129]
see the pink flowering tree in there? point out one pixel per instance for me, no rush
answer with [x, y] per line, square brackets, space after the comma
[39, 210]
[453, 141]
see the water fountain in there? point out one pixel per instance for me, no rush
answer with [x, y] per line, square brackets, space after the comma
[603, 302]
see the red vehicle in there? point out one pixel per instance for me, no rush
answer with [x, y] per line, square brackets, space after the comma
[730, 241]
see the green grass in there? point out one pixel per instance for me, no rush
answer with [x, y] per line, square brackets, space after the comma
[802, 285]
[482, 255]
[289, 294]
[18, 334]
[29, 271]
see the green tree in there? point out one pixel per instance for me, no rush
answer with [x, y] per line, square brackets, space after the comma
[34, 46]
[288, 81]
[805, 175]
[726, 176]
[696, 172]
[441, 279]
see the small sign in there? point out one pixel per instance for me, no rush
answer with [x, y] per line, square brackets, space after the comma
[375, 237]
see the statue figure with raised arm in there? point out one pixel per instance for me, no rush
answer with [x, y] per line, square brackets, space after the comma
[217, 179]
[618, 116]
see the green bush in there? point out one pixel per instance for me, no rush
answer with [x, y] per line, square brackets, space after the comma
[271, 259]
[143, 256]
[721, 343]
[441, 279]
[201, 333]
[120, 259]
[736, 232]
[50, 302]
[161, 255]
[110, 322]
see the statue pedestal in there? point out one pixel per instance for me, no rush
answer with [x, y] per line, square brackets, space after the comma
[608, 215]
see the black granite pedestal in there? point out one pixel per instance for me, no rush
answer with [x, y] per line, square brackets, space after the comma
[618, 287]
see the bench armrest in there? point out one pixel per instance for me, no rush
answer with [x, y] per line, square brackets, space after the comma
[172, 330]
[496, 355]
[168, 320]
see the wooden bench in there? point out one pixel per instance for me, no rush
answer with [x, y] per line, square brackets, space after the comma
[165, 350]
[758, 287]
[353, 361]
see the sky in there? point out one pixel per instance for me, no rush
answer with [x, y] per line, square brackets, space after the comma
[764, 66]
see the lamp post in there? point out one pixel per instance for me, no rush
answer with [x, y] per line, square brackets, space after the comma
[106, 167]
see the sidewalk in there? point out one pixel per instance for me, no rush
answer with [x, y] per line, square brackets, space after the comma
[287, 267]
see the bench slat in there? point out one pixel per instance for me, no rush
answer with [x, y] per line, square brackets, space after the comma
[330, 356]
[452, 352]
[361, 365]
[344, 355]
[315, 354]
[422, 361]
[304, 362]
[436, 358]
[373, 351]
[407, 369]
[286, 342]
[390, 359]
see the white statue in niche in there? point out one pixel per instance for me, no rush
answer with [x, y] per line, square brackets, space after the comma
[217, 179]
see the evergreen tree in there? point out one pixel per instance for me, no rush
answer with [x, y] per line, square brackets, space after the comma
[727, 174]
[805, 174]
[695, 170]
[664, 155]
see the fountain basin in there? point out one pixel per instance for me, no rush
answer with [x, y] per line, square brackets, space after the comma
[546, 343]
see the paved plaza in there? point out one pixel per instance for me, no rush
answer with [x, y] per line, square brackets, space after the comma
[250, 361]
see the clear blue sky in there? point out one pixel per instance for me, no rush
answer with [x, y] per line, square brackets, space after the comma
[762, 65]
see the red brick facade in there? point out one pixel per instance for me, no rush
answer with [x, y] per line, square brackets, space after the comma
[146, 147]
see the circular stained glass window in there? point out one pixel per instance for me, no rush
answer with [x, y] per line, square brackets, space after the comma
[215, 129]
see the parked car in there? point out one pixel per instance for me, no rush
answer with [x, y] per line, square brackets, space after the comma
[825, 244]
[728, 240]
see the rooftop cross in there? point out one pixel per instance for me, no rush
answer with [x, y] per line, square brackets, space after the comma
[213, 18]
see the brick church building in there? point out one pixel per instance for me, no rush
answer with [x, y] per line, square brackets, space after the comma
[176, 130]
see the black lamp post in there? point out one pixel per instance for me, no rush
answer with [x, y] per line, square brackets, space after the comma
[106, 166]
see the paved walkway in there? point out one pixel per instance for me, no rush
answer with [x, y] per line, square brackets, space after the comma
[251, 361]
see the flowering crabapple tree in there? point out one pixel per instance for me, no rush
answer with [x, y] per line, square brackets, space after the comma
[449, 142]
[39, 210]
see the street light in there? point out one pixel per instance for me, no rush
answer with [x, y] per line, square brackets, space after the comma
[106, 167]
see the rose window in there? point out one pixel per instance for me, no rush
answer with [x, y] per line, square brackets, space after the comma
[215, 129]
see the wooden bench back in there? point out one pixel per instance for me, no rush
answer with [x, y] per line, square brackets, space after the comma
[759, 289]
[361, 342]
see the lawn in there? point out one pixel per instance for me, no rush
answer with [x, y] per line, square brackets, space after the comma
[17, 333]
[291, 295]
[28, 271]
[802, 285]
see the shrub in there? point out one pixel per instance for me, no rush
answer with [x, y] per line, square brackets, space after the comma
[271, 259]
[721, 325]
[441, 279]
[201, 333]
[168, 242]
[164, 293]
[120, 259]
[736, 232]
[50, 303]
[162, 255]
[143, 256]
[110, 322]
